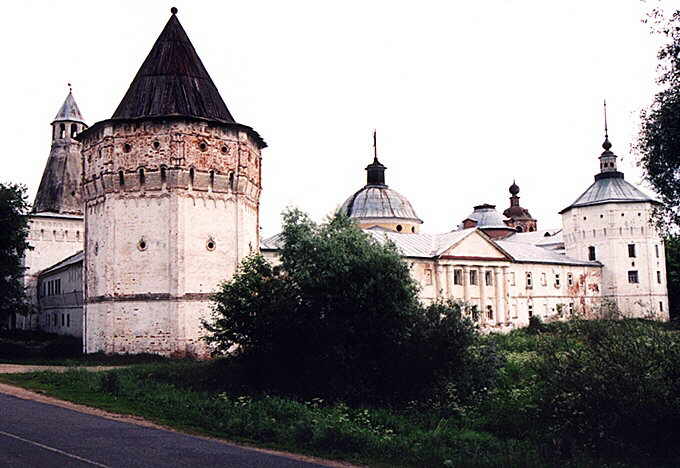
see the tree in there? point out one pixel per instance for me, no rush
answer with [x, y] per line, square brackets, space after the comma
[13, 234]
[340, 318]
[658, 144]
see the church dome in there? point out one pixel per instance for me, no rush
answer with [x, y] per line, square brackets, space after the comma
[379, 201]
[487, 217]
[375, 204]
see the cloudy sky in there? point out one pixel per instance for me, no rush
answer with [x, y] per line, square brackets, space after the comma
[465, 96]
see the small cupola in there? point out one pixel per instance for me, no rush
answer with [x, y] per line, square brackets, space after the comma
[607, 158]
[69, 122]
[375, 172]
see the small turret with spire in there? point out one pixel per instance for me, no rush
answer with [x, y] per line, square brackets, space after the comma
[375, 172]
[607, 158]
[517, 217]
[60, 186]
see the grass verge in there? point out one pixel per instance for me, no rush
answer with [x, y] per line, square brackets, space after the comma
[373, 436]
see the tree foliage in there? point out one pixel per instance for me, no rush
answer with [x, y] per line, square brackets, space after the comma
[13, 234]
[659, 141]
[340, 318]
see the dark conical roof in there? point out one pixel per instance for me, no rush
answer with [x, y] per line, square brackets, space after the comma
[172, 81]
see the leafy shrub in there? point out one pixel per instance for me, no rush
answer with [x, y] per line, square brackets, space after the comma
[341, 319]
[616, 391]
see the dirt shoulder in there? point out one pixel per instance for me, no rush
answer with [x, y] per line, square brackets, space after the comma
[22, 368]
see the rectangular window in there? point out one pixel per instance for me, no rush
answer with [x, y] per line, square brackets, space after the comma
[512, 278]
[473, 277]
[571, 308]
[544, 279]
[487, 278]
[591, 254]
[631, 250]
[570, 279]
[530, 283]
[633, 276]
[557, 280]
[458, 277]
[428, 276]
[63, 320]
[658, 277]
[54, 318]
[514, 311]
[656, 250]
[530, 309]
[68, 320]
[489, 312]
[660, 306]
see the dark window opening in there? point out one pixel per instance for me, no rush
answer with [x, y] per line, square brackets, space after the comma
[489, 312]
[212, 179]
[458, 277]
[519, 229]
[142, 178]
[633, 276]
[231, 181]
[191, 177]
[413, 229]
[488, 278]
[658, 277]
[656, 251]
[591, 254]
[473, 277]
[399, 228]
[121, 178]
[202, 146]
[631, 250]
[62, 130]
[224, 150]
[156, 145]
[127, 147]
[74, 130]
[164, 176]
[531, 310]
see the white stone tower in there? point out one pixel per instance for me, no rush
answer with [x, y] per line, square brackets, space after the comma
[56, 220]
[611, 223]
[172, 187]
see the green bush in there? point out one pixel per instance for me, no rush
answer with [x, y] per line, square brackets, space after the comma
[341, 319]
[617, 391]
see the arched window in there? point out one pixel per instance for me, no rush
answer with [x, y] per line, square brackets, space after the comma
[519, 229]
[74, 130]
[62, 130]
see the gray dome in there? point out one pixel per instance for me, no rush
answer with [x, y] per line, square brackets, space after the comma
[379, 201]
[487, 217]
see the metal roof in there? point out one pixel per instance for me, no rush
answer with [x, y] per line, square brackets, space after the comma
[69, 111]
[379, 201]
[172, 81]
[487, 217]
[610, 187]
[433, 245]
[68, 261]
[527, 253]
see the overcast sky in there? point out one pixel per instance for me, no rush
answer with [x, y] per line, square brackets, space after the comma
[465, 96]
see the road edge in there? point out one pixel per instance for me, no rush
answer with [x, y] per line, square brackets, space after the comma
[25, 394]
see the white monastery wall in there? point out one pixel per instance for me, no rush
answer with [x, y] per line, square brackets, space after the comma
[610, 229]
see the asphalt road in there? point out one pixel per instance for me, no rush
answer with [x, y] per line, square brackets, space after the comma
[34, 434]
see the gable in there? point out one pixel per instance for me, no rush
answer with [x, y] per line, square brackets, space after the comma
[474, 247]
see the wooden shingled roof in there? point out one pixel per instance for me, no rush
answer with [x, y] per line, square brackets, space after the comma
[172, 81]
